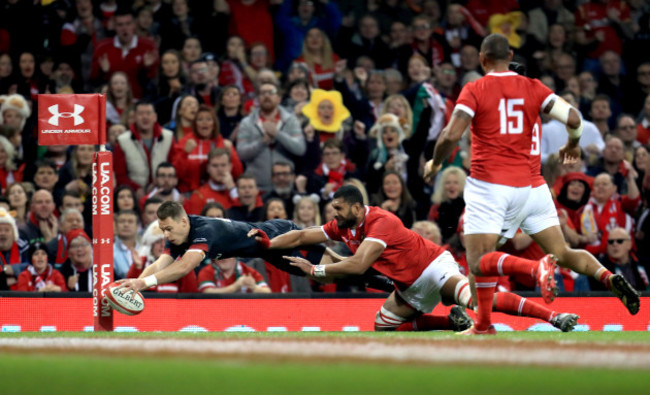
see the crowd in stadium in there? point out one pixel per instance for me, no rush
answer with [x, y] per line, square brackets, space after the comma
[259, 109]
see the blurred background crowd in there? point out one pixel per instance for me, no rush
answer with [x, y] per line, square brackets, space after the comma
[260, 109]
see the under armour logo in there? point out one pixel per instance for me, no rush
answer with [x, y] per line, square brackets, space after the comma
[54, 110]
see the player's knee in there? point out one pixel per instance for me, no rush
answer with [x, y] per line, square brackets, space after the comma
[463, 294]
[387, 321]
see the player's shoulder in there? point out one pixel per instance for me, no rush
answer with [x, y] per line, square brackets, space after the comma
[375, 215]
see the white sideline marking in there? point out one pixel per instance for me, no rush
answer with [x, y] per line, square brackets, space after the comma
[433, 352]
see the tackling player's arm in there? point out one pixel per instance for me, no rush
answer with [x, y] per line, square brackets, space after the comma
[291, 239]
[459, 122]
[368, 252]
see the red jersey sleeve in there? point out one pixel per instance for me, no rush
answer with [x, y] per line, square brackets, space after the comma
[381, 229]
[332, 231]
[467, 100]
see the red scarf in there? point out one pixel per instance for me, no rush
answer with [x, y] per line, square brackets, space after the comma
[61, 250]
[335, 176]
[14, 256]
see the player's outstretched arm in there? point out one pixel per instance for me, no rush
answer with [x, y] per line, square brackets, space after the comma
[290, 239]
[162, 262]
[459, 122]
[366, 255]
[171, 273]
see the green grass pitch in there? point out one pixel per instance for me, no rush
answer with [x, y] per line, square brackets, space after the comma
[75, 373]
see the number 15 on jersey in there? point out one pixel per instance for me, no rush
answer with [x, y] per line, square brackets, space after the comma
[511, 116]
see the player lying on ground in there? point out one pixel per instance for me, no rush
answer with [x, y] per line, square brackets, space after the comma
[424, 273]
[194, 238]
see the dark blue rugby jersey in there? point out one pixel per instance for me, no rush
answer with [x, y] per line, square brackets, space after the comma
[222, 238]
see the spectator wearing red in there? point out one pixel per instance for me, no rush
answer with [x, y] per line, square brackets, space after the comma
[9, 172]
[81, 35]
[135, 56]
[57, 248]
[235, 69]
[643, 127]
[431, 46]
[12, 251]
[330, 173]
[572, 192]
[482, 10]
[193, 149]
[77, 270]
[153, 244]
[220, 186]
[607, 210]
[231, 276]
[598, 24]
[40, 276]
[319, 57]
[252, 21]
[139, 151]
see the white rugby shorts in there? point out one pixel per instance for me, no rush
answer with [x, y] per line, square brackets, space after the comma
[493, 208]
[424, 294]
[539, 212]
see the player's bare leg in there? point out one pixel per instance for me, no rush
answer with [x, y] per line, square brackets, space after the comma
[551, 240]
[398, 315]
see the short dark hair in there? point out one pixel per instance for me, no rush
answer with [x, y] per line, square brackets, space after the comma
[171, 209]
[165, 165]
[496, 47]
[128, 212]
[602, 97]
[247, 176]
[210, 205]
[152, 200]
[283, 163]
[349, 194]
[47, 163]
[333, 143]
[73, 194]
[218, 152]
[142, 103]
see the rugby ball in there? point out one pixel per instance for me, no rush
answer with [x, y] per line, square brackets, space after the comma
[126, 302]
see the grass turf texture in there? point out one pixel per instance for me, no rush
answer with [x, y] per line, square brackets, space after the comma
[75, 374]
[36, 373]
[590, 336]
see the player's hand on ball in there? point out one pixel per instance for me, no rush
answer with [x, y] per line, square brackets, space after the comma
[131, 284]
[301, 263]
[430, 171]
[261, 238]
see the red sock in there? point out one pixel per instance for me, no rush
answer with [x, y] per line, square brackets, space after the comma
[603, 276]
[502, 264]
[426, 322]
[484, 294]
[513, 304]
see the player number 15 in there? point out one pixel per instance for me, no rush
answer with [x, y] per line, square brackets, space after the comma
[511, 116]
